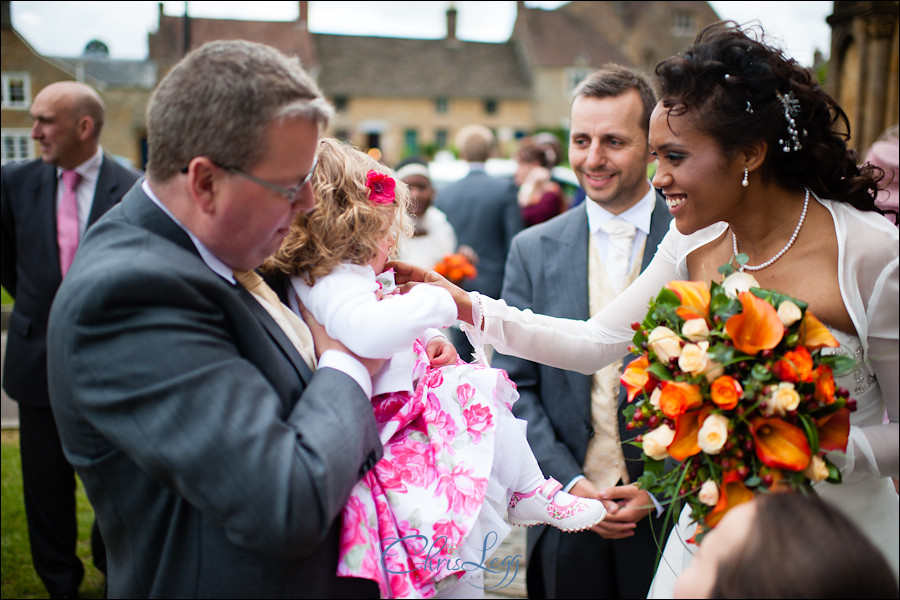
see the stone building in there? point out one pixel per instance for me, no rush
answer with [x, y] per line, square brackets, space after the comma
[864, 66]
[405, 97]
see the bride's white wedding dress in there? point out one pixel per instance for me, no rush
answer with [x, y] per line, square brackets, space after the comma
[868, 275]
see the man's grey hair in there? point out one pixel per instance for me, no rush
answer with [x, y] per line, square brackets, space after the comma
[219, 101]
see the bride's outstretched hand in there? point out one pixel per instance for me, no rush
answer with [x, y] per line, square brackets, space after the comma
[407, 275]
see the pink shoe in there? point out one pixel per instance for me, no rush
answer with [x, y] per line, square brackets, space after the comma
[549, 505]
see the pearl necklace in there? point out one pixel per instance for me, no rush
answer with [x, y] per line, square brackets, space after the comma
[787, 247]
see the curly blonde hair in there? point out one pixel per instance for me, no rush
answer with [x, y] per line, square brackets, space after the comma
[345, 225]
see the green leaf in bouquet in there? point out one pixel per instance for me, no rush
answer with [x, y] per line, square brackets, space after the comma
[628, 411]
[720, 304]
[647, 480]
[839, 364]
[753, 481]
[776, 298]
[660, 371]
[834, 474]
[811, 431]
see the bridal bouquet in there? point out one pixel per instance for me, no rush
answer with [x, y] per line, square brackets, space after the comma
[732, 385]
[456, 268]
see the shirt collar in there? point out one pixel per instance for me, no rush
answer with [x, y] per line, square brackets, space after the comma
[217, 266]
[638, 215]
[89, 169]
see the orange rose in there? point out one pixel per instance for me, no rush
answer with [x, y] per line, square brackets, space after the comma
[679, 397]
[796, 366]
[726, 391]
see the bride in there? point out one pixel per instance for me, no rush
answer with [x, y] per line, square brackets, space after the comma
[753, 160]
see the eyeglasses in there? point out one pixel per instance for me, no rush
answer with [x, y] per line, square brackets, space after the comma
[290, 194]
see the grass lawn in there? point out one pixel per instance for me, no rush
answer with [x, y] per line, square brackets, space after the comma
[18, 577]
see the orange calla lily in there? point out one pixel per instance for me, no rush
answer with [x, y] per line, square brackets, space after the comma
[694, 296]
[636, 376]
[726, 392]
[757, 327]
[834, 430]
[779, 444]
[814, 335]
[824, 384]
[678, 397]
[731, 493]
[684, 444]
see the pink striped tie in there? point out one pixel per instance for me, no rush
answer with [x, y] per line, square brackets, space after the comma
[67, 228]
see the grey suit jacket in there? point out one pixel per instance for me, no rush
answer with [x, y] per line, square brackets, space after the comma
[216, 462]
[547, 272]
[30, 263]
[486, 216]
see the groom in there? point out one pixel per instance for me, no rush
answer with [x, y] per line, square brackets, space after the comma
[217, 460]
[568, 267]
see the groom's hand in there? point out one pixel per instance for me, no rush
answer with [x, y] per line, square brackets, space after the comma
[612, 527]
[633, 505]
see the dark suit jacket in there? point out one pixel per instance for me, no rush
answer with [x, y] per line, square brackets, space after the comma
[485, 214]
[217, 463]
[30, 263]
[547, 272]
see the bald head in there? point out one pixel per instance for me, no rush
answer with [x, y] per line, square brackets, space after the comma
[68, 118]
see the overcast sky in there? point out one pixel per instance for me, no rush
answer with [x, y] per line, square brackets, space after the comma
[64, 28]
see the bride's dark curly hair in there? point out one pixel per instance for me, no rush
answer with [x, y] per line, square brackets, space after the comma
[727, 80]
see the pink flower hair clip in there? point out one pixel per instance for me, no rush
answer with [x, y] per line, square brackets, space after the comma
[381, 187]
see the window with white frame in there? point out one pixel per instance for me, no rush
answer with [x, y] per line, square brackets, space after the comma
[16, 145]
[16, 90]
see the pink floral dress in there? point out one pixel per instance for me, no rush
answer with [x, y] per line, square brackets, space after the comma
[407, 521]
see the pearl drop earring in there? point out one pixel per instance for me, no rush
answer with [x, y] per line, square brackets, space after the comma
[746, 181]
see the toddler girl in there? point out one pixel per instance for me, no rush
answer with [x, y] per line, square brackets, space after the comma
[456, 461]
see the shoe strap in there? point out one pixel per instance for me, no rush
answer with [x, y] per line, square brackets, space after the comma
[550, 488]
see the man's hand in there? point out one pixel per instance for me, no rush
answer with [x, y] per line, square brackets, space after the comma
[441, 352]
[324, 342]
[633, 505]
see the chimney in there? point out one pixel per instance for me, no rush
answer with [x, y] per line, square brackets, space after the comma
[303, 16]
[6, 20]
[451, 24]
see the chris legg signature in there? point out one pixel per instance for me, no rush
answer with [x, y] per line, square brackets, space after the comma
[429, 558]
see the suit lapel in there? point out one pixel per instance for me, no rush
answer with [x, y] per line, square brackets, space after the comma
[276, 333]
[45, 192]
[567, 270]
[105, 192]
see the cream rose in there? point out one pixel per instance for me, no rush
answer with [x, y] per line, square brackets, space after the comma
[656, 443]
[693, 358]
[783, 399]
[709, 493]
[713, 434]
[654, 397]
[665, 343]
[695, 330]
[714, 370]
[739, 282]
[816, 470]
[789, 313]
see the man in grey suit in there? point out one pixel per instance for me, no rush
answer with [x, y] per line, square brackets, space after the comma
[68, 119]
[217, 460]
[564, 267]
[484, 214]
